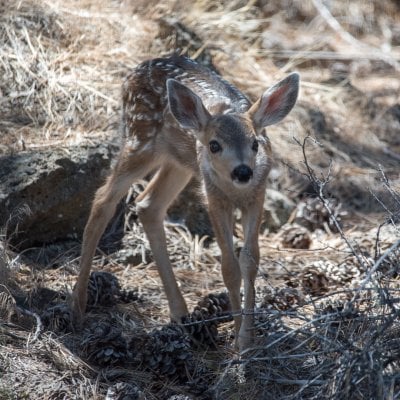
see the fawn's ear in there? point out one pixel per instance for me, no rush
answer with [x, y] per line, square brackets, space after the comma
[186, 106]
[276, 102]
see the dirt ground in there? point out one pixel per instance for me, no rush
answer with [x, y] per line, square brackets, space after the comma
[327, 290]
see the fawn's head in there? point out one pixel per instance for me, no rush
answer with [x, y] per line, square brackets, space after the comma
[234, 145]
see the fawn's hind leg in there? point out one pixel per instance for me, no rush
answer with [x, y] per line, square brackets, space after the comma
[131, 166]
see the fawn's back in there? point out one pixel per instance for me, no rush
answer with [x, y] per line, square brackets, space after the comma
[144, 93]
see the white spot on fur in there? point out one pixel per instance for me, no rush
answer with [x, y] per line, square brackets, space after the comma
[133, 143]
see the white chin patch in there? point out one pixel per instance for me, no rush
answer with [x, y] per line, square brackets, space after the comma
[241, 185]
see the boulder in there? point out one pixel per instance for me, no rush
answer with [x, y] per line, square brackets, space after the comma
[277, 210]
[46, 195]
[190, 209]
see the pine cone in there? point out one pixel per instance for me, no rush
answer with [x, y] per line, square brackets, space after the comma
[129, 296]
[167, 352]
[202, 323]
[296, 237]
[351, 262]
[314, 281]
[103, 289]
[58, 318]
[266, 322]
[282, 298]
[216, 304]
[124, 391]
[312, 214]
[202, 330]
[342, 273]
[336, 317]
[104, 345]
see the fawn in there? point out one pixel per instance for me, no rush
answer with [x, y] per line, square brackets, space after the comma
[182, 120]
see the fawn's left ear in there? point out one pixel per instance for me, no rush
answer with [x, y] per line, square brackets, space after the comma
[276, 102]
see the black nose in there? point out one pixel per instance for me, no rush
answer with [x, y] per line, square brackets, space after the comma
[242, 173]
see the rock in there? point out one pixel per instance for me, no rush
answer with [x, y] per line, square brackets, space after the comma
[46, 195]
[277, 210]
[190, 209]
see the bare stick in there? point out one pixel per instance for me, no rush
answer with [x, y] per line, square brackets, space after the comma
[39, 325]
[382, 258]
[319, 187]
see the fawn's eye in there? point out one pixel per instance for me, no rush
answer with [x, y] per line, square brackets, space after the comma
[254, 147]
[214, 146]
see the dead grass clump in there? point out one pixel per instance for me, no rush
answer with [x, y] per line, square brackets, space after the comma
[174, 37]
[307, 346]
[59, 76]
[30, 38]
[347, 348]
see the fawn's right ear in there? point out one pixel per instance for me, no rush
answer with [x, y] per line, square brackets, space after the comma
[186, 106]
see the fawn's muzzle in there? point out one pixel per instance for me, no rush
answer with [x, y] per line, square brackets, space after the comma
[242, 173]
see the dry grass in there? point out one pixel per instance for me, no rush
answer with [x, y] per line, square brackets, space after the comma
[61, 69]
[61, 65]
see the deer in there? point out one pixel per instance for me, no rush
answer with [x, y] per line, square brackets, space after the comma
[182, 120]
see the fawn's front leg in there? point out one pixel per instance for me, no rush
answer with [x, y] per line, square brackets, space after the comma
[152, 206]
[249, 259]
[221, 214]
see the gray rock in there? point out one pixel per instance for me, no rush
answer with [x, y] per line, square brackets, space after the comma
[189, 209]
[46, 195]
[277, 210]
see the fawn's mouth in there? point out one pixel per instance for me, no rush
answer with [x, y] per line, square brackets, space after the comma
[241, 184]
[241, 175]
